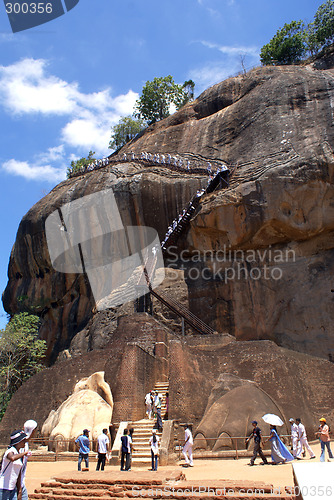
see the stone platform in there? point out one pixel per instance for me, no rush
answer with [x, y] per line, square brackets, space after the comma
[147, 485]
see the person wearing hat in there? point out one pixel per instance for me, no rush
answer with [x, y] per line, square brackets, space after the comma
[323, 435]
[256, 435]
[82, 443]
[154, 443]
[10, 474]
[294, 437]
[30, 429]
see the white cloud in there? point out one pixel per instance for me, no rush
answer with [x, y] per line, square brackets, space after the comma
[27, 88]
[35, 171]
[232, 51]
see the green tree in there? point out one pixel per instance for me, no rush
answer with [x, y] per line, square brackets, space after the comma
[126, 129]
[158, 96]
[21, 353]
[324, 23]
[78, 164]
[288, 46]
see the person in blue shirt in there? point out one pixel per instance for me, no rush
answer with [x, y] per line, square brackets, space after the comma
[82, 443]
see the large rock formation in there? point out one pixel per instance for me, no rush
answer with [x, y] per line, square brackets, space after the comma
[273, 126]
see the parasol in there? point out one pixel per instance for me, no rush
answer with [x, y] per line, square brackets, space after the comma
[272, 419]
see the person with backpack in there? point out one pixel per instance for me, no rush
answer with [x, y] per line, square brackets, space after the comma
[323, 435]
[154, 443]
[10, 474]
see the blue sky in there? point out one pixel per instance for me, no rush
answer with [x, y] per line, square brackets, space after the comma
[65, 83]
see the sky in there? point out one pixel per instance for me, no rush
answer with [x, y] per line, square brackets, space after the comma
[64, 84]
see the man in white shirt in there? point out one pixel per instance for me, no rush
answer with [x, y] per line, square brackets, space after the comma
[148, 403]
[102, 448]
[294, 436]
[302, 440]
[188, 446]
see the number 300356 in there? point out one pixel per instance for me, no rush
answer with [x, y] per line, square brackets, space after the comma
[28, 8]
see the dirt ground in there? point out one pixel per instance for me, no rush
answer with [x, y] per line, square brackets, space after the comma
[277, 475]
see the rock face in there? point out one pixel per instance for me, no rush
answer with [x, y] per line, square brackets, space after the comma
[145, 196]
[222, 385]
[274, 127]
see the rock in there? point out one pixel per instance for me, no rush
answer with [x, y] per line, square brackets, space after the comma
[233, 404]
[64, 301]
[296, 384]
[273, 127]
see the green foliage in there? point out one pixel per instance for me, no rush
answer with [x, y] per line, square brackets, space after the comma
[324, 23]
[126, 129]
[21, 352]
[78, 164]
[159, 94]
[288, 46]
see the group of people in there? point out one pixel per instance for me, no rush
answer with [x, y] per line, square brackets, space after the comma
[103, 447]
[153, 403]
[14, 463]
[279, 452]
[172, 162]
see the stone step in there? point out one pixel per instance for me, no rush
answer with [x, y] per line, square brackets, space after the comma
[159, 493]
[129, 487]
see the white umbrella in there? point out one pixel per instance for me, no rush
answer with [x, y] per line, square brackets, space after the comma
[272, 419]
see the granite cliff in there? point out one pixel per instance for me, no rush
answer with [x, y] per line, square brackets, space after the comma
[274, 128]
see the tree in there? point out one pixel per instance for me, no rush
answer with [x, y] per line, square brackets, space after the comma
[21, 352]
[288, 46]
[158, 96]
[78, 164]
[324, 23]
[126, 129]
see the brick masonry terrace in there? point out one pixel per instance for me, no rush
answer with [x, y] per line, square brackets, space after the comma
[161, 484]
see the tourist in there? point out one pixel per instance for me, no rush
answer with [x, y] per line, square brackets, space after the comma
[102, 449]
[29, 428]
[131, 431]
[279, 452]
[323, 435]
[148, 404]
[256, 435]
[302, 440]
[82, 443]
[125, 450]
[294, 437]
[167, 405]
[10, 475]
[187, 449]
[154, 443]
[157, 404]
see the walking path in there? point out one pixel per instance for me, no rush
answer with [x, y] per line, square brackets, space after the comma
[204, 471]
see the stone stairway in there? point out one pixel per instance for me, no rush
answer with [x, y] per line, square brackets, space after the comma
[107, 486]
[143, 431]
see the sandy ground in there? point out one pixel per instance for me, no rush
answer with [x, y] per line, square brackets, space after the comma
[278, 475]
